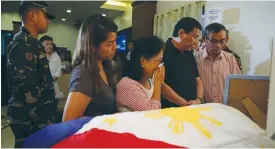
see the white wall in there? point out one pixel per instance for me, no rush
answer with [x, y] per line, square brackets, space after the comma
[125, 20]
[7, 18]
[63, 33]
[251, 26]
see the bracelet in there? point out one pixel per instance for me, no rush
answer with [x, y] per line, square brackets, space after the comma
[200, 99]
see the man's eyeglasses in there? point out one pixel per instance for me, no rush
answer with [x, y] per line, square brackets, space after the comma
[214, 41]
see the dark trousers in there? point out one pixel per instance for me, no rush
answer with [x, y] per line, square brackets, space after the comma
[55, 109]
[23, 124]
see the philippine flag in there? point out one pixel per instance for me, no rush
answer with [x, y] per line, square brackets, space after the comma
[208, 126]
[63, 136]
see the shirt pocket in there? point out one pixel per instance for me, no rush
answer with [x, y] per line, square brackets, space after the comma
[224, 69]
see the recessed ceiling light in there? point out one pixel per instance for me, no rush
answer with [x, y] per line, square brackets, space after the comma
[63, 19]
[104, 15]
[110, 2]
[69, 11]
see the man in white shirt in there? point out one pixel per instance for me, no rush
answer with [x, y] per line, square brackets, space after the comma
[54, 64]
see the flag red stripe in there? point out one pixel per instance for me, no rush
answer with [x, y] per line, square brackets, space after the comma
[96, 138]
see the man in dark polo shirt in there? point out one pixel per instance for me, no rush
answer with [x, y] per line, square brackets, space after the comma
[181, 72]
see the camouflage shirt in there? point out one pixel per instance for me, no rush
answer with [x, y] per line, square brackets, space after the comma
[28, 66]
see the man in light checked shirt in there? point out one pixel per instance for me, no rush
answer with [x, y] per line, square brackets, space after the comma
[214, 64]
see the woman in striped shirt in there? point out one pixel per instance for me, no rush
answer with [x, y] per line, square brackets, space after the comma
[141, 90]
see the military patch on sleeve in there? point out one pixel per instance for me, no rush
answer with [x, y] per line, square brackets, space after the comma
[42, 55]
[29, 56]
[21, 71]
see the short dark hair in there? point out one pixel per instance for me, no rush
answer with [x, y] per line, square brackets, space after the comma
[227, 32]
[147, 47]
[46, 37]
[214, 28]
[188, 24]
[22, 14]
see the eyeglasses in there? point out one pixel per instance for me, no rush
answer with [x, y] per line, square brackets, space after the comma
[214, 41]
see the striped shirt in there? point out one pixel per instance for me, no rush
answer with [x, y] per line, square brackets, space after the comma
[130, 94]
[213, 73]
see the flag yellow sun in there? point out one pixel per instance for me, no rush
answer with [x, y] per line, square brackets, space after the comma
[182, 115]
[110, 121]
[261, 146]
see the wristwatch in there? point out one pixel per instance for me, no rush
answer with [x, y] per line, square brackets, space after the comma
[201, 99]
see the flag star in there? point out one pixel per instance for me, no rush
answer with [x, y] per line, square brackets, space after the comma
[110, 121]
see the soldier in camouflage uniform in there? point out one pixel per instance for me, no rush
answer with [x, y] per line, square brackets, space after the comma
[30, 107]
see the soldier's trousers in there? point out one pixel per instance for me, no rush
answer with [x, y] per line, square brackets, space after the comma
[55, 110]
[23, 125]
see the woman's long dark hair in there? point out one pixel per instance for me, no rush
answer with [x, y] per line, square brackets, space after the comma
[93, 31]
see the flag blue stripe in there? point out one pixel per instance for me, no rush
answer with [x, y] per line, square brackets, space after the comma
[54, 133]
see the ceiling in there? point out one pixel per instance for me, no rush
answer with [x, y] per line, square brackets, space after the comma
[80, 9]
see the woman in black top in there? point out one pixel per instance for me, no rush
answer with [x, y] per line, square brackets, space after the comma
[92, 87]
